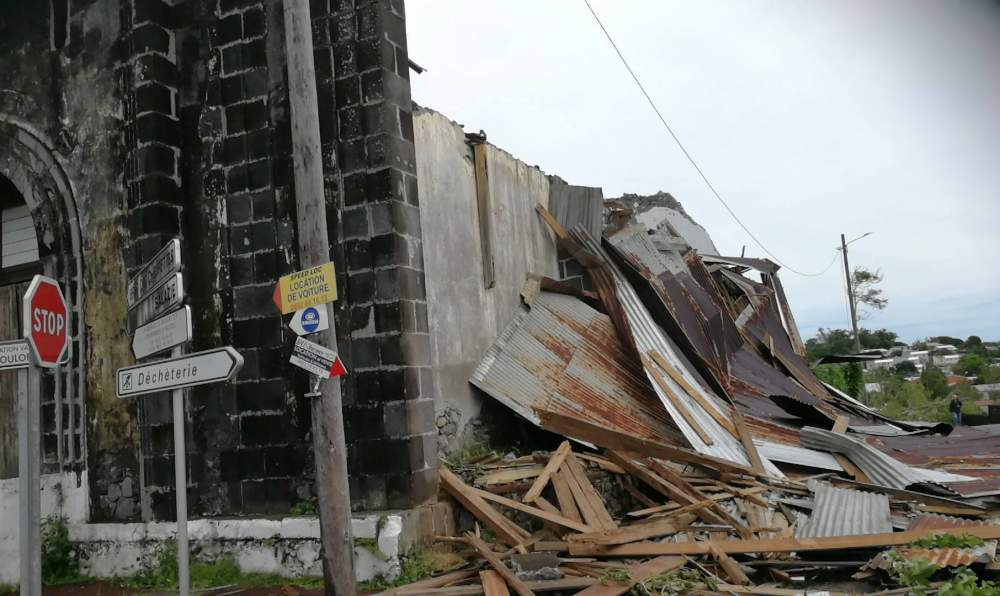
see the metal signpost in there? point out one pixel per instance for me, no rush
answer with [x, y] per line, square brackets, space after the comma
[153, 293]
[45, 328]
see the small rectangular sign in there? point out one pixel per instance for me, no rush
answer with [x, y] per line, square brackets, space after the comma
[14, 354]
[168, 331]
[309, 287]
[160, 299]
[320, 361]
[157, 269]
[210, 366]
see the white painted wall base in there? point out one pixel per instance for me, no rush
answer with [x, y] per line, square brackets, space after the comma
[289, 547]
[62, 495]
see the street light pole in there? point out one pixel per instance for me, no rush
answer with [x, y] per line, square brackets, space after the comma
[850, 296]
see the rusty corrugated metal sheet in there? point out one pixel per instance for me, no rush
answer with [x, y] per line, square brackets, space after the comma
[641, 330]
[942, 557]
[845, 512]
[563, 356]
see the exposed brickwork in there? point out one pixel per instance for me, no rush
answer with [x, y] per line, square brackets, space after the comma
[363, 71]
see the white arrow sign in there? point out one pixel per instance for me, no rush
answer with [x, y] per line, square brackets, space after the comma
[201, 368]
[166, 261]
[309, 320]
[160, 299]
[163, 333]
[14, 354]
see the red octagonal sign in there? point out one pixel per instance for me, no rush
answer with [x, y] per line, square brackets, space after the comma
[46, 322]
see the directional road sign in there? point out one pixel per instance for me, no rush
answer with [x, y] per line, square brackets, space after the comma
[157, 269]
[309, 320]
[14, 354]
[160, 299]
[201, 368]
[309, 287]
[320, 361]
[162, 334]
[46, 321]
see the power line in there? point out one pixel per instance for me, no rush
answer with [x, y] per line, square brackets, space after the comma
[691, 159]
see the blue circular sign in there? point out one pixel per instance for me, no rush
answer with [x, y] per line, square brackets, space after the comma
[310, 319]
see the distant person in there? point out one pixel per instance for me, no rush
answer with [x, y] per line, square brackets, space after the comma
[956, 411]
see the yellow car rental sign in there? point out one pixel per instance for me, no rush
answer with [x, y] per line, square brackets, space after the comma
[302, 289]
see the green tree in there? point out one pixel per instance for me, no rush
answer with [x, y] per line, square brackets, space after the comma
[903, 400]
[944, 339]
[971, 365]
[829, 342]
[877, 339]
[833, 374]
[906, 368]
[867, 294]
[934, 381]
[854, 377]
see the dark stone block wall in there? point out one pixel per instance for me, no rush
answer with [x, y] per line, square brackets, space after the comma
[207, 157]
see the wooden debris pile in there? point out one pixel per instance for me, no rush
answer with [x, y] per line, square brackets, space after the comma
[574, 521]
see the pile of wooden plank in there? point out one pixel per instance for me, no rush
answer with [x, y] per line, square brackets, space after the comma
[600, 524]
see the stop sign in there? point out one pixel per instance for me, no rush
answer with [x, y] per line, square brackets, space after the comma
[46, 322]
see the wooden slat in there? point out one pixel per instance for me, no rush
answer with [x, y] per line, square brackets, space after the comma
[670, 475]
[483, 511]
[661, 526]
[583, 491]
[534, 511]
[564, 496]
[431, 582]
[567, 584]
[550, 468]
[840, 424]
[544, 505]
[852, 470]
[551, 221]
[601, 463]
[508, 476]
[609, 438]
[636, 573]
[732, 569]
[497, 565]
[756, 464]
[493, 584]
[696, 395]
[675, 401]
[775, 545]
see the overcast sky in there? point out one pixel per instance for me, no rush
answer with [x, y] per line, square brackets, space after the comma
[811, 118]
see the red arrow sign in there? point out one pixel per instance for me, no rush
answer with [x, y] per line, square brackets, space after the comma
[46, 321]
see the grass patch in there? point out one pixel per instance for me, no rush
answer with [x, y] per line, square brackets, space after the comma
[308, 507]
[415, 567]
[674, 583]
[162, 574]
[60, 559]
[462, 458]
[6, 589]
[948, 541]
[616, 576]
[371, 545]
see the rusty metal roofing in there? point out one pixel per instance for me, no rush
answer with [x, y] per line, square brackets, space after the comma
[845, 512]
[648, 337]
[564, 356]
[943, 557]
[879, 467]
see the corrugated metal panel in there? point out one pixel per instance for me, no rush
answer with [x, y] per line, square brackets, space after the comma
[881, 468]
[845, 512]
[797, 455]
[943, 557]
[573, 205]
[565, 357]
[649, 337]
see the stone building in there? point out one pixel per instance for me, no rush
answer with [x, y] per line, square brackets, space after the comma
[125, 123]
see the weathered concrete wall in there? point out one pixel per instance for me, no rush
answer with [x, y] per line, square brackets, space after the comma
[466, 316]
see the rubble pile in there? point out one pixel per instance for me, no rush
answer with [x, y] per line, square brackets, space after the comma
[702, 455]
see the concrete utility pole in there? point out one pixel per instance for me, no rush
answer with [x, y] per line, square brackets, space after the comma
[850, 296]
[329, 446]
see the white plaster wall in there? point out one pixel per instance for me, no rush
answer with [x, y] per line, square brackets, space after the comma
[62, 495]
[464, 316]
